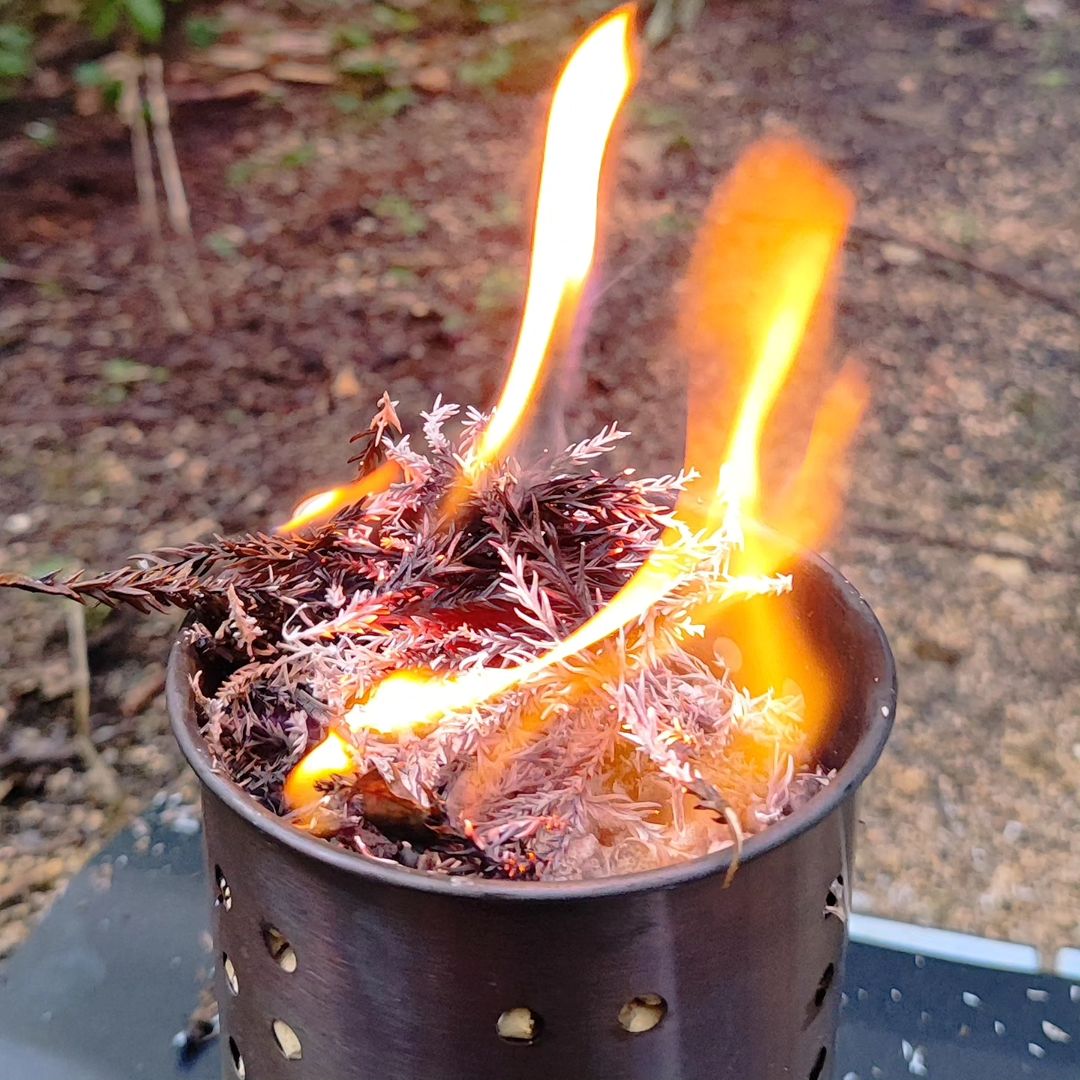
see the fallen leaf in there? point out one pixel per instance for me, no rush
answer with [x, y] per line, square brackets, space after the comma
[298, 44]
[232, 88]
[346, 384]
[896, 254]
[308, 74]
[433, 80]
[233, 57]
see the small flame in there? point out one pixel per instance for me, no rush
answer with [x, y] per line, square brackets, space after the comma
[763, 261]
[327, 503]
[332, 757]
[588, 96]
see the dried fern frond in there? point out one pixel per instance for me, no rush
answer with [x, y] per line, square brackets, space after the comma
[625, 756]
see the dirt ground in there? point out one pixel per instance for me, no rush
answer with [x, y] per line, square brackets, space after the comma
[342, 253]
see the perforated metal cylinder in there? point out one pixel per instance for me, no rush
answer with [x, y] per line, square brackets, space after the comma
[333, 967]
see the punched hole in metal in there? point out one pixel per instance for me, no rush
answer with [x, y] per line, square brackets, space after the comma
[222, 891]
[642, 1013]
[288, 1042]
[834, 899]
[823, 986]
[237, 1059]
[277, 945]
[519, 1025]
[231, 980]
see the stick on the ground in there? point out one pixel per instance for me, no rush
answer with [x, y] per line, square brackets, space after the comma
[131, 112]
[669, 15]
[954, 543]
[949, 253]
[87, 283]
[173, 182]
[80, 699]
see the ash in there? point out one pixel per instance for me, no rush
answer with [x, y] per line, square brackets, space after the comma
[636, 753]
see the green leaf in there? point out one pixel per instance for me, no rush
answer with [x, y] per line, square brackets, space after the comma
[91, 74]
[500, 291]
[488, 70]
[95, 75]
[221, 245]
[393, 102]
[105, 18]
[51, 290]
[505, 211]
[1052, 79]
[122, 371]
[402, 276]
[673, 224]
[400, 22]
[241, 172]
[201, 32]
[454, 322]
[497, 14]
[659, 117]
[16, 44]
[348, 104]
[298, 158]
[366, 67]
[353, 37]
[400, 212]
[148, 17]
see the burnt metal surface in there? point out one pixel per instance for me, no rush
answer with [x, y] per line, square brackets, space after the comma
[403, 975]
[109, 977]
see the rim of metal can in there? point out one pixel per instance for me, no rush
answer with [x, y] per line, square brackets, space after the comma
[878, 714]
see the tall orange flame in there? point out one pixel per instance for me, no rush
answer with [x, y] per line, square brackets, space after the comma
[588, 96]
[756, 280]
[755, 285]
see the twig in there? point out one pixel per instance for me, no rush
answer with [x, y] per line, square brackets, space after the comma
[176, 197]
[91, 283]
[136, 700]
[75, 615]
[953, 543]
[38, 878]
[669, 15]
[949, 253]
[172, 180]
[131, 111]
[51, 753]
